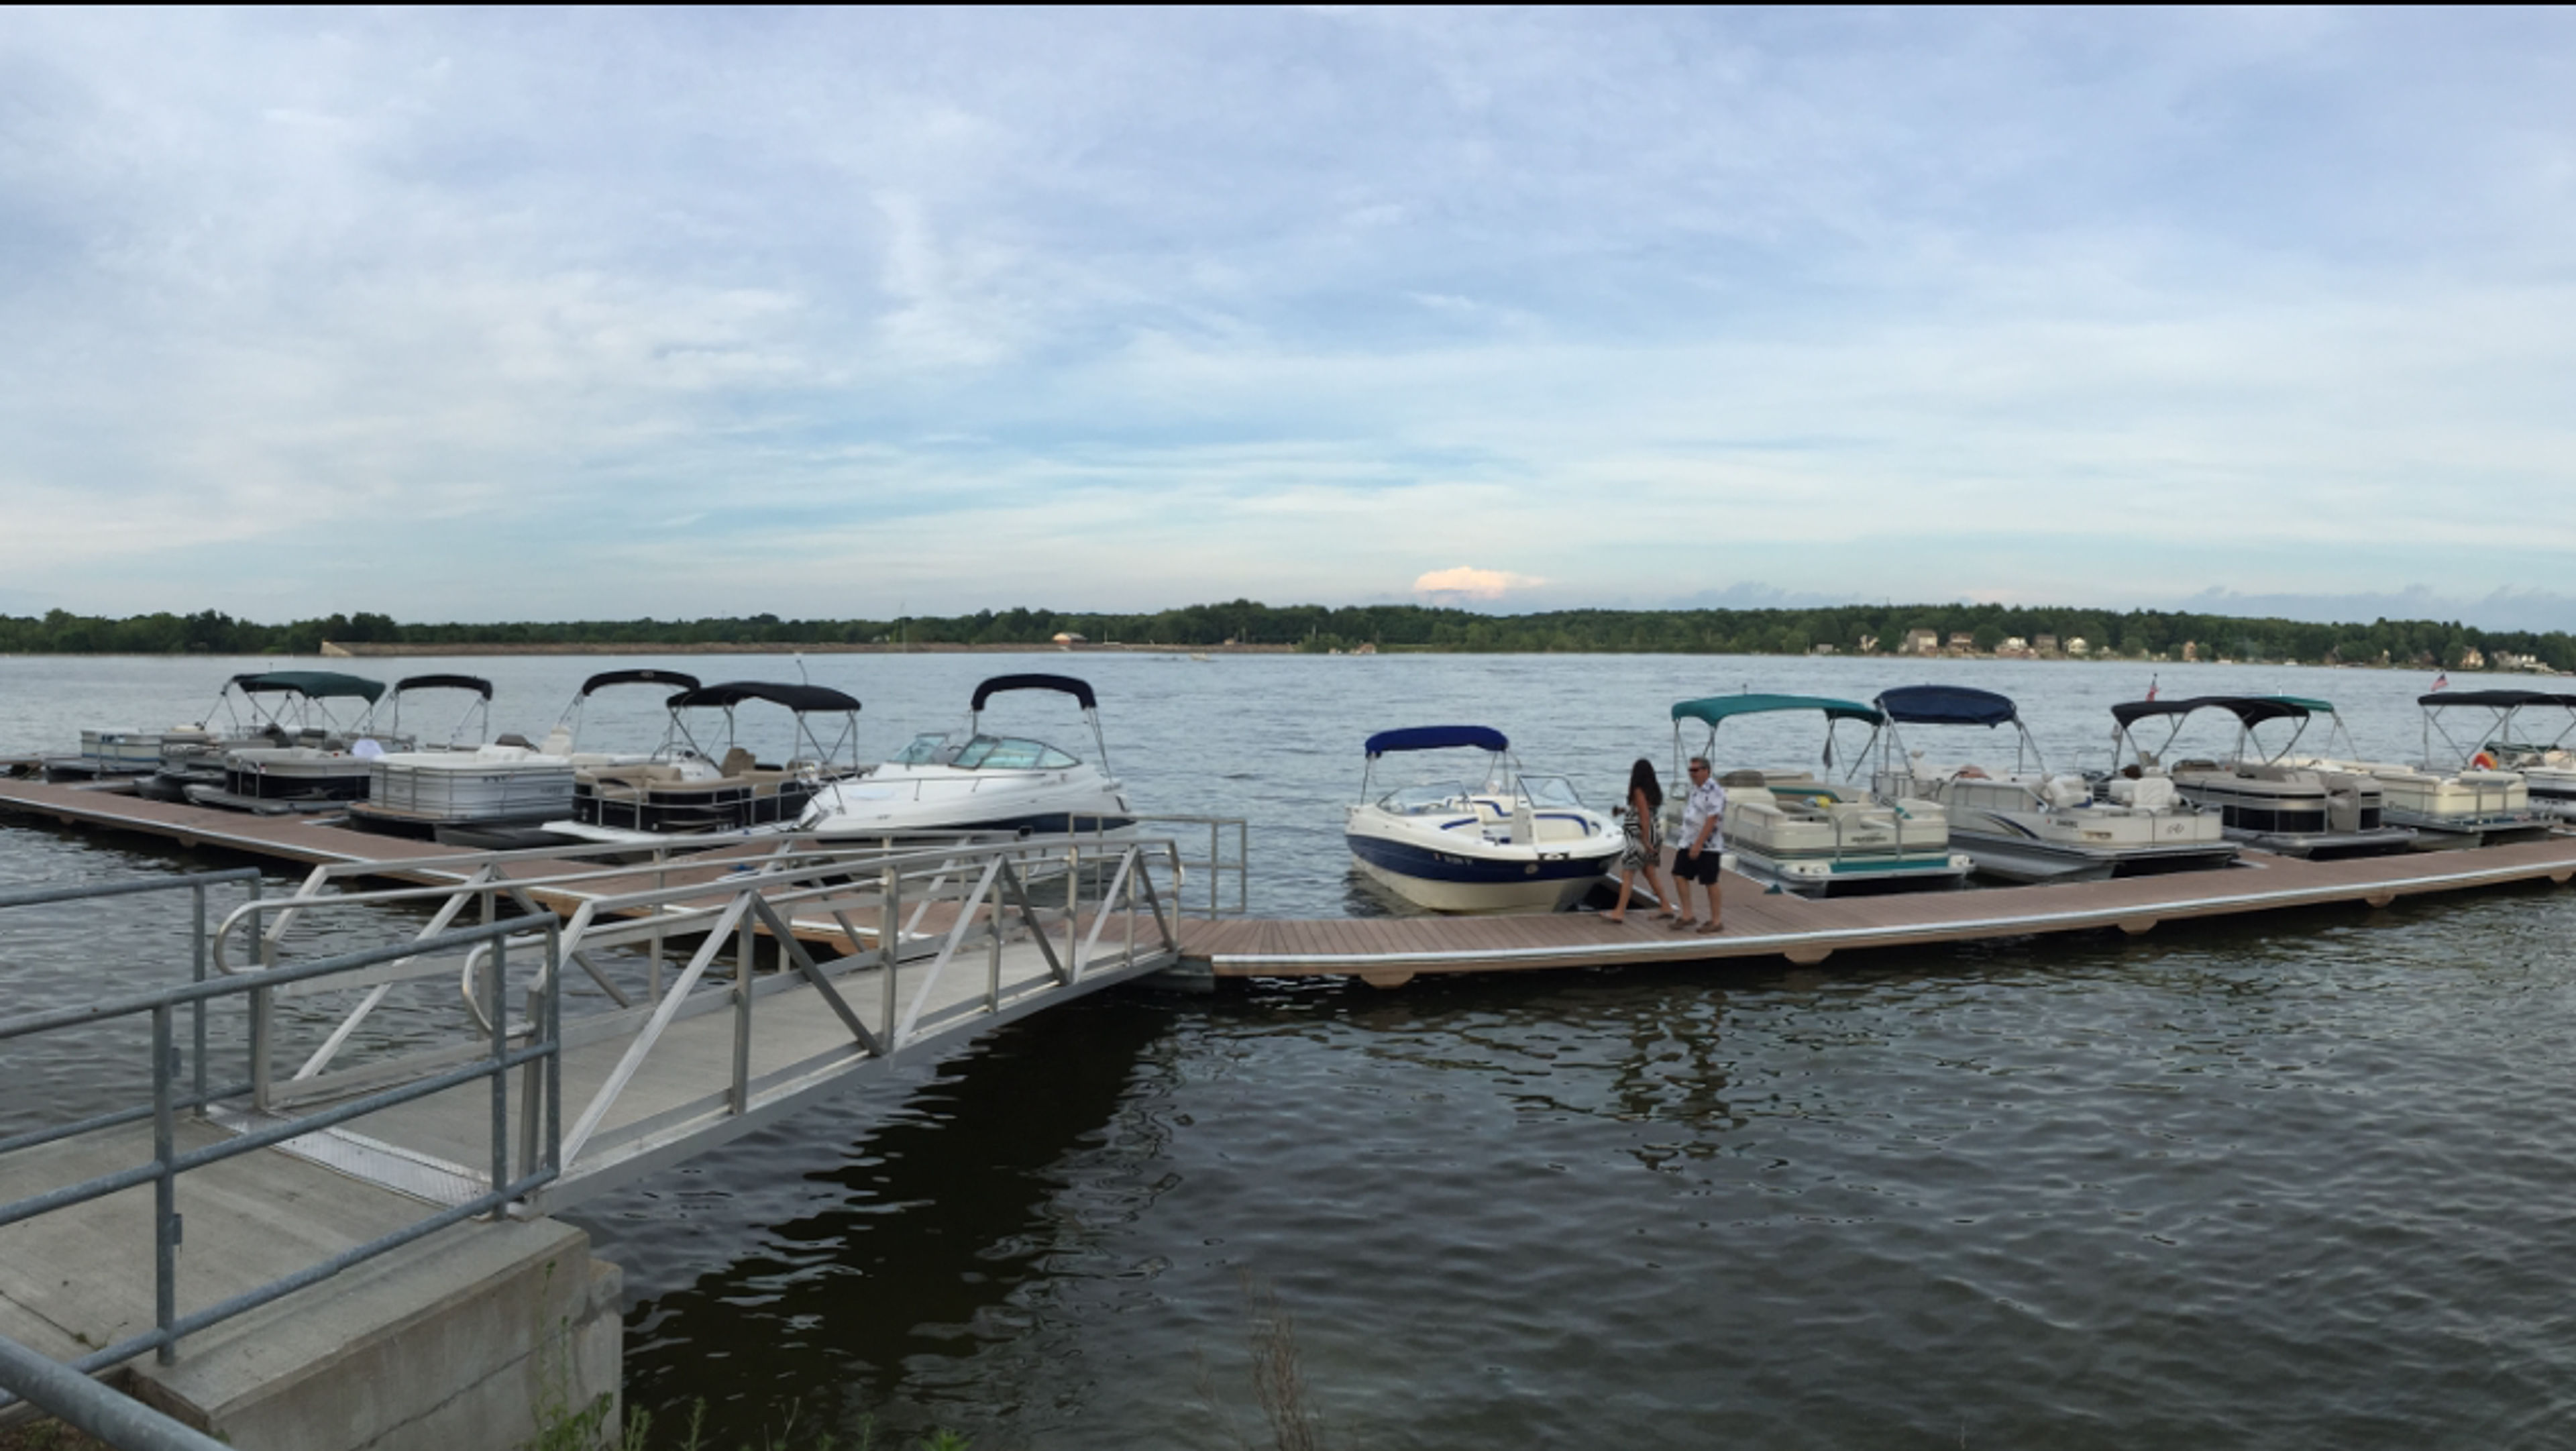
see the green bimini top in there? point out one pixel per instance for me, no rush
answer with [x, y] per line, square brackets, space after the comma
[1718, 707]
[313, 684]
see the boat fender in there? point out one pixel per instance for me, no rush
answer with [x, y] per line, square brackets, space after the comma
[2483, 761]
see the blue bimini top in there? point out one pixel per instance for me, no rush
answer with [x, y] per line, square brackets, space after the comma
[1946, 705]
[1437, 738]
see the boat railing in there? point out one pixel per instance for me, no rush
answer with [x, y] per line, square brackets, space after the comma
[183, 1089]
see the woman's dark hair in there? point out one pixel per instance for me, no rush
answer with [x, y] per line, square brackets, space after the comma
[1641, 777]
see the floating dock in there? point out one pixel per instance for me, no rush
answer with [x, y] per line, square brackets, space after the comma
[1760, 923]
[1391, 951]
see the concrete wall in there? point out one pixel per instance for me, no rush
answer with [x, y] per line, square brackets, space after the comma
[468, 1341]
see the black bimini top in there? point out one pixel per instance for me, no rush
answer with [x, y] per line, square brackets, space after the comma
[1437, 738]
[475, 683]
[2250, 709]
[2496, 699]
[798, 698]
[675, 678]
[1079, 690]
[313, 684]
[1945, 705]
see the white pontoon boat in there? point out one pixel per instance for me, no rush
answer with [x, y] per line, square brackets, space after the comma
[2025, 824]
[1502, 841]
[1819, 838]
[2458, 798]
[2261, 798]
[311, 761]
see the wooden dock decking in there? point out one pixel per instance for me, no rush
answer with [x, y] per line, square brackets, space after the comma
[1389, 951]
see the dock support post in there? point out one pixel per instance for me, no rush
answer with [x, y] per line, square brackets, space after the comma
[496, 979]
[889, 936]
[741, 1089]
[165, 1184]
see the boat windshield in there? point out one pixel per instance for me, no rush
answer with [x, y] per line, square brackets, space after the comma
[1427, 798]
[984, 753]
[1550, 791]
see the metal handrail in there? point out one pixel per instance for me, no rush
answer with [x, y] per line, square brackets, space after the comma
[540, 1136]
[873, 899]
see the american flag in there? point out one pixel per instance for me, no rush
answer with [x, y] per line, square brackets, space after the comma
[2442, 681]
[2151, 686]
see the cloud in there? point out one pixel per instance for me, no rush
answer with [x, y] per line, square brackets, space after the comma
[1470, 583]
[1857, 304]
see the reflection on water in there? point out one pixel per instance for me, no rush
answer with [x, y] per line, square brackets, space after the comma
[2298, 1182]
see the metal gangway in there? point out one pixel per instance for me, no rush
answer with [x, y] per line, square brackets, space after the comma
[716, 992]
[537, 1028]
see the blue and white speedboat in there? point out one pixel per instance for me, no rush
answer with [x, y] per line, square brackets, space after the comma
[1501, 841]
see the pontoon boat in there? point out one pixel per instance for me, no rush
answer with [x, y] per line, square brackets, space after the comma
[2261, 799]
[691, 789]
[1819, 838]
[2025, 824]
[2454, 800]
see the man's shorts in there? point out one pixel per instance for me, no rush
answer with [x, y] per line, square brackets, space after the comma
[1702, 868]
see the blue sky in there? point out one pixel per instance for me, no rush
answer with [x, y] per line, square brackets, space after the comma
[537, 315]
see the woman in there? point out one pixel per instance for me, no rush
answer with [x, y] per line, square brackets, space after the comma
[1645, 849]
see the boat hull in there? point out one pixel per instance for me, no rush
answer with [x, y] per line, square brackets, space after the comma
[1447, 882]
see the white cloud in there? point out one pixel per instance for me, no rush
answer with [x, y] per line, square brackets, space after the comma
[1466, 582]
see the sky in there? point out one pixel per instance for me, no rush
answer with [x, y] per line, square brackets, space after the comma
[488, 315]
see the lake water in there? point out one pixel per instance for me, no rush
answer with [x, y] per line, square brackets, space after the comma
[2300, 1182]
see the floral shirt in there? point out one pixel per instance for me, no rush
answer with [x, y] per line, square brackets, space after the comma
[1707, 803]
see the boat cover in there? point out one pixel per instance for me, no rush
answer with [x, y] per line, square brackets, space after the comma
[475, 683]
[314, 684]
[681, 679]
[1718, 707]
[798, 698]
[2249, 709]
[1435, 738]
[2496, 699]
[1079, 690]
[1946, 705]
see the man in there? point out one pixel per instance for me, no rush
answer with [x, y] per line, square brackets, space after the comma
[1695, 859]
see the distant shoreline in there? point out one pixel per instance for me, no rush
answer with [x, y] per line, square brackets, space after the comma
[333, 649]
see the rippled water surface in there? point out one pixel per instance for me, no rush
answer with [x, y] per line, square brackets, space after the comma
[2301, 1182]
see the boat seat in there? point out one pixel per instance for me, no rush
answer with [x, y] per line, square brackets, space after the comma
[737, 762]
[1741, 780]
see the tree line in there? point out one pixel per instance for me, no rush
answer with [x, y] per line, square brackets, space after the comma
[1846, 629]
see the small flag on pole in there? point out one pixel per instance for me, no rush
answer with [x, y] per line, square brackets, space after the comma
[2442, 681]
[2151, 685]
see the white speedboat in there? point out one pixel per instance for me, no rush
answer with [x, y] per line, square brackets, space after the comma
[970, 781]
[2024, 823]
[1501, 842]
[2261, 799]
[2459, 797]
[691, 787]
[1819, 838]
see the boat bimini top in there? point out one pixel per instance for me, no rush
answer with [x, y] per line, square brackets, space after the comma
[2249, 710]
[303, 693]
[565, 738]
[1955, 705]
[1408, 739]
[804, 703]
[1716, 709]
[2495, 738]
[980, 752]
[478, 711]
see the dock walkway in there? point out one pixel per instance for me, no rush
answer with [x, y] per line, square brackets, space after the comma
[1389, 951]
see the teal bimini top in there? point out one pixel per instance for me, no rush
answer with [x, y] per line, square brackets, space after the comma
[1718, 707]
[314, 684]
